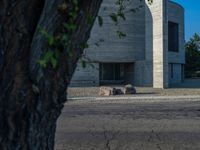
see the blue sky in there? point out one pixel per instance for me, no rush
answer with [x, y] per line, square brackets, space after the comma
[192, 16]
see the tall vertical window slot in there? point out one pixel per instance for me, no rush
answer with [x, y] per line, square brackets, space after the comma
[171, 69]
[173, 37]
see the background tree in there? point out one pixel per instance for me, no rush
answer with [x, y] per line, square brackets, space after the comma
[192, 56]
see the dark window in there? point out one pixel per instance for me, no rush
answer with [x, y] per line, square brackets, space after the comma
[173, 37]
[110, 73]
[107, 72]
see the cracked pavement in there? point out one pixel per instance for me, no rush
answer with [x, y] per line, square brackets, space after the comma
[131, 124]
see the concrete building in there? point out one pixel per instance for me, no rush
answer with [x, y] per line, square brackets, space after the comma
[152, 53]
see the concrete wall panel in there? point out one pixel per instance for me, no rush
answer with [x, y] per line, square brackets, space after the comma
[88, 76]
[129, 49]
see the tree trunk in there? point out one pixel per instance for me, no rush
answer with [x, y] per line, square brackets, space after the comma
[31, 97]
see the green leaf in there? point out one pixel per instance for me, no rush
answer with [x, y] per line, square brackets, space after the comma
[51, 40]
[84, 46]
[70, 52]
[100, 20]
[83, 63]
[48, 55]
[43, 32]
[90, 19]
[75, 2]
[65, 38]
[54, 62]
[57, 53]
[42, 63]
[114, 18]
[121, 34]
[70, 27]
[122, 16]
[73, 15]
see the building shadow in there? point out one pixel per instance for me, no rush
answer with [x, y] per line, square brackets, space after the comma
[188, 83]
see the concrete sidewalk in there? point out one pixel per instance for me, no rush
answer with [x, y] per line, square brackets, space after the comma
[130, 98]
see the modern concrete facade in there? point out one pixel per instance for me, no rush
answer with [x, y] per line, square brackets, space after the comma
[152, 53]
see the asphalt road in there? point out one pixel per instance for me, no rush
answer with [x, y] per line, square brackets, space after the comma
[169, 123]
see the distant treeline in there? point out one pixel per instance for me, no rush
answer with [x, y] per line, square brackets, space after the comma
[192, 66]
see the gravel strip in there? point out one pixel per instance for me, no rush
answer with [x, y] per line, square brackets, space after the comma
[93, 92]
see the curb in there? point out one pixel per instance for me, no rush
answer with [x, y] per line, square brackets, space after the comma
[137, 98]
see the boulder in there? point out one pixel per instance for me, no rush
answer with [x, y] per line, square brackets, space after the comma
[118, 91]
[129, 89]
[107, 91]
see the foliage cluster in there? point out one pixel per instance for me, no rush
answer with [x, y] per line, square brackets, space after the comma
[192, 66]
[57, 44]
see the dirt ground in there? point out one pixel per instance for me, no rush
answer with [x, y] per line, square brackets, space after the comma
[189, 87]
[93, 91]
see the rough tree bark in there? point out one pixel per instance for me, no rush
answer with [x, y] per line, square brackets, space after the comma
[31, 98]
